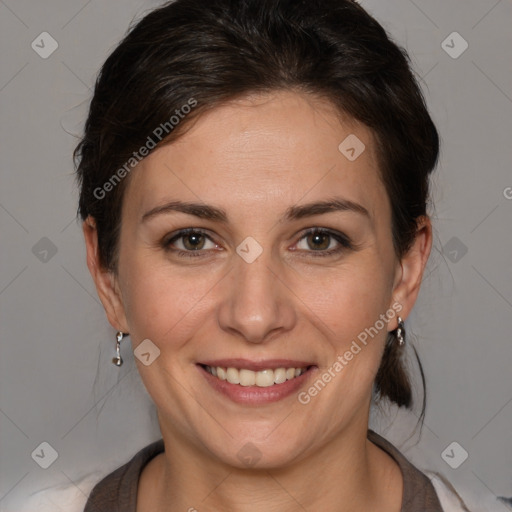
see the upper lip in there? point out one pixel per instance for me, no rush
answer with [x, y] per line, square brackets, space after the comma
[267, 364]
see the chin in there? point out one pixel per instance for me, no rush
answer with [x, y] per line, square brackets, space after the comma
[245, 452]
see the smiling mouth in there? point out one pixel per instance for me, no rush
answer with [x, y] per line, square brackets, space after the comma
[262, 378]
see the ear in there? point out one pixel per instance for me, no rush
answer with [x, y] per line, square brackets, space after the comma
[411, 267]
[105, 280]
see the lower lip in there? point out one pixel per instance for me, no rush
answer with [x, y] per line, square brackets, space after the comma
[255, 395]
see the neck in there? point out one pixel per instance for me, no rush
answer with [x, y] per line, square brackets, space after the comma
[347, 474]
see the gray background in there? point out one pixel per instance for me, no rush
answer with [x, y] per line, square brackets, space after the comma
[57, 381]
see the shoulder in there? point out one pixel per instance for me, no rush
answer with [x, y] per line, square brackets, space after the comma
[450, 499]
[466, 500]
[95, 492]
[64, 497]
[118, 490]
[422, 490]
[434, 491]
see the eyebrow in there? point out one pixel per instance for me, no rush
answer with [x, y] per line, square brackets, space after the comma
[204, 211]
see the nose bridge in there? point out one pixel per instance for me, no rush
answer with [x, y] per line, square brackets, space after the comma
[255, 302]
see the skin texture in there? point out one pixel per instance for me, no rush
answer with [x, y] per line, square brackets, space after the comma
[254, 158]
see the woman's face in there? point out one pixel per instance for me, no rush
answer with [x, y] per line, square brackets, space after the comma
[249, 288]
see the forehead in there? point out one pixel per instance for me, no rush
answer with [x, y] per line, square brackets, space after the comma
[263, 151]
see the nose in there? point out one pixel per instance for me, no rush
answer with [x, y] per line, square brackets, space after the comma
[257, 304]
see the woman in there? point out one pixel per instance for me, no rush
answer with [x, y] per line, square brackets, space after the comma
[254, 180]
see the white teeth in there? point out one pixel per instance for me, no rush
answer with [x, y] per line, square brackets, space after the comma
[247, 377]
[262, 378]
[265, 378]
[279, 375]
[232, 376]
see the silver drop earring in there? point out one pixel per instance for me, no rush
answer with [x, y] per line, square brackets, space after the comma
[118, 360]
[400, 332]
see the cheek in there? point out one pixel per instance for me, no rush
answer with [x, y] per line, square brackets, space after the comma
[350, 299]
[352, 307]
[162, 303]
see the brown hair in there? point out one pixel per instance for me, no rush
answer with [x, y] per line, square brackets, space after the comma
[211, 52]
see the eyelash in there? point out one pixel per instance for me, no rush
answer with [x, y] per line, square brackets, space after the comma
[343, 241]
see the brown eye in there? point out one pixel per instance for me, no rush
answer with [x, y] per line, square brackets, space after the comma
[189, 242]
[193, 241]
[318, 241]
[322, 242]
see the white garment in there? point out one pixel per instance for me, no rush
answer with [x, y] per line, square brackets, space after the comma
[454, 500]
[61, 498]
